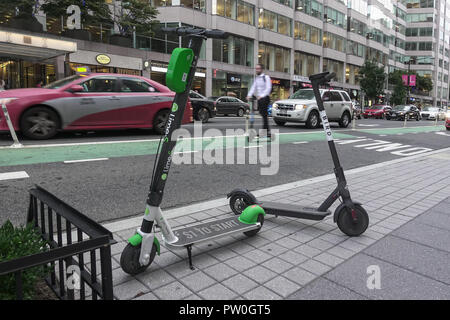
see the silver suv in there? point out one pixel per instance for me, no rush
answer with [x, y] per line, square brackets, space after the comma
[301, 106]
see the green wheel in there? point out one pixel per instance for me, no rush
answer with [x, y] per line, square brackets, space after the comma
[129, 260]
[353, 222]
[255, 231]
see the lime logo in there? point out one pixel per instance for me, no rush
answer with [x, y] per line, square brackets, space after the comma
[147, 211]
[164, 176]
[174, 107]
[166, 139]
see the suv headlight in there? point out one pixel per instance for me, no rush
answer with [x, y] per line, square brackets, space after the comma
[300, 106]
[275, 106]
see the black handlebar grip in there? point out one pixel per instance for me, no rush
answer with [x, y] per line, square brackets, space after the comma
[330, 76]
[216, 34]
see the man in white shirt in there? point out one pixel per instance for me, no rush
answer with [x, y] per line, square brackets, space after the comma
[261, 88]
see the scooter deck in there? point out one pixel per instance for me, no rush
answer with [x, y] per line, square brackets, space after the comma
[294, 211]
[211, 230]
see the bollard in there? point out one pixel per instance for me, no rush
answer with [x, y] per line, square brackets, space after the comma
[354, 123]
[436, 120]
[16, 143]
[404, 122]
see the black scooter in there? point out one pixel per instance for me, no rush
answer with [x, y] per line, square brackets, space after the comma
[350, 216]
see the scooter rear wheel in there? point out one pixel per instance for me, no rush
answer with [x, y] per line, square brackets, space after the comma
[353, 222]
[129, 260]
[239, 202]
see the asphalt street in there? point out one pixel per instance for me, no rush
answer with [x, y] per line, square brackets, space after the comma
[116, 184]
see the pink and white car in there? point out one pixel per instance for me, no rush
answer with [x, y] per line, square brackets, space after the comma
[92, 101]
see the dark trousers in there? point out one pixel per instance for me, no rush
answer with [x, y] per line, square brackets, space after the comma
[263, 105]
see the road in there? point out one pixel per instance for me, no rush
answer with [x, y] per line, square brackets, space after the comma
[115, 185]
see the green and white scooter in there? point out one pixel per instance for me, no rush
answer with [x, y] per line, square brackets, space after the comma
[143, 246]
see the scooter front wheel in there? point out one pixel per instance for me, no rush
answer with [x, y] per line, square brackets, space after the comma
[353, 222]
[239, 202]
[129, 260]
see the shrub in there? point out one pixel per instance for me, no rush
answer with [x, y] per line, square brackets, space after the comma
[16, 242]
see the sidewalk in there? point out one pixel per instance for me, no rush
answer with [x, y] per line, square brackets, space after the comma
[408, 201]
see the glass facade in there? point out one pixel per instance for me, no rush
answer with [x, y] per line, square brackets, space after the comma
[334, 66]
[275, 22]
[351, 74]
[193, 4]
[335, 17]
[419, 32]
[421, 46]
[306, 64]
[308, 33]
[333, 41]
[356, 49]
[410, 4]
[237, 10]
[311, 7]
[274, 58]
[419, 17]
[234, 50]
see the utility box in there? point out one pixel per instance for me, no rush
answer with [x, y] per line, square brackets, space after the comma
[178, 69]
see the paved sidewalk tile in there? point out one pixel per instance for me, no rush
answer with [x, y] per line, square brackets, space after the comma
[282, 286]
[323, 289]
[240, 283]
[197, 281]
[173, 291]
[217, 292]
[262, 293]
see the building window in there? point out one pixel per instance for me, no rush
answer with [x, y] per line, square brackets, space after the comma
[193, 4]
[285, 2]
[335, 17]
[419, 17]
[351, 74]
[274, 58]
[236, 10]
[333, 41]
[357, 26]
[274, 22]
[308, 33]
[356, 49]
[311, 7]
[233, 50]
[306, 64]
[419, 4]
[334, 66]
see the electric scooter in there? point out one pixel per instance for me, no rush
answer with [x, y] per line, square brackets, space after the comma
[143, 246]
[350, 216]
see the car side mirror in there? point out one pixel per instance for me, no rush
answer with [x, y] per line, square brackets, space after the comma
[75, 88]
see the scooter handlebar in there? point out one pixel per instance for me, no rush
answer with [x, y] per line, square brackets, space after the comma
[322, 77]
[183, 31]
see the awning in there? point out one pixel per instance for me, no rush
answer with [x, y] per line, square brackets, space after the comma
[34, 48]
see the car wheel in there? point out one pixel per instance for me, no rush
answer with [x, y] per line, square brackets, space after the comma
[39, 123]
[279, 122]
[203, 115]
[313, 120]
[240, 112]
[417, 118]
[345, 120]
[160, 120]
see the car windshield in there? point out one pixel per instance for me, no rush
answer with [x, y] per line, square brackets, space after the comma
[401, 108]
[377, 107]
[304, 94]
[61, 83]
[430, 109]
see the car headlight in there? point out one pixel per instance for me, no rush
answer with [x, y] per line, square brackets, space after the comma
[275, 106]
[7, 100]
[300, 106]
[401, 113]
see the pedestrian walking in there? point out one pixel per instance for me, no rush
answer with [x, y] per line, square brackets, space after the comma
[2, 85]
[261, 89]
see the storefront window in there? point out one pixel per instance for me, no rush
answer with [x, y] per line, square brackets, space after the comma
[223, 85]
[234, 50]
[236, 10]
[308, 33]
[334, 66]
[274, 22]
[18, 73]
[274, 58]
[306, 64]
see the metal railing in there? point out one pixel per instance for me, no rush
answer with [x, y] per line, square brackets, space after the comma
[75, 242]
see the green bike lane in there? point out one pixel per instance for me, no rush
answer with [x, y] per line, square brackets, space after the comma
[48, 154]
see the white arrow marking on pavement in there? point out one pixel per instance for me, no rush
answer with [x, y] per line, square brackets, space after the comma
[13, 175]
[411, 151]
[86, 160]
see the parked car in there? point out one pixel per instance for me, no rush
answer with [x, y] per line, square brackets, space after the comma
[91, 101]
[203, 108]
[357, 110]
[447, 120]
[377, 111]
[432, 113]
[301, 107]
[401, 112]
[230, 105]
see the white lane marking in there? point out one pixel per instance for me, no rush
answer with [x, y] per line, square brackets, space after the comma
[368, 125]
[178, 152]
[300, 142]
[13, 175]
[387, 146]
[442, 134]
[382, 135]
[86, 160]
[253, 147]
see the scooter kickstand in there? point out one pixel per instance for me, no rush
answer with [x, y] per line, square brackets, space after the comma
[189, 251]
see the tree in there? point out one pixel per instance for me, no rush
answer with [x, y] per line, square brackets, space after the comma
[19, 8]
[398, 95]
[135, 15]
[372, 79]
[92, 12]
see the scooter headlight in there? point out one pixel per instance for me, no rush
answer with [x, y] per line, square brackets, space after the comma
[300, 106]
